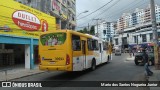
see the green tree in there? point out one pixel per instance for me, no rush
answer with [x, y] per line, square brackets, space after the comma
[81, 31]
[85, 30]
[92, 30]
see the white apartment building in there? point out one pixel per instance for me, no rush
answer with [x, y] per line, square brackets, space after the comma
[105, 30]
[157, 10]
[140, 32]
[140, 15]
[126, 17]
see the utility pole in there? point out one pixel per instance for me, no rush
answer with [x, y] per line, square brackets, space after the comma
[155, 35]
[67, 20]
[88, 29]
[97, 34]
[122, 47]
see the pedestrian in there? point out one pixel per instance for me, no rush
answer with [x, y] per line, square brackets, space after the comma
[146, 61]
[130, 53]
[133, 52]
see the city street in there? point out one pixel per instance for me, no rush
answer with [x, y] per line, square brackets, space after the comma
[117, 70]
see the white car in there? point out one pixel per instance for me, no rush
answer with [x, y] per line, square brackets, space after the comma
[118, 52]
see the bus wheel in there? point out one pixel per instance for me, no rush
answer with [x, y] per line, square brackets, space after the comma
[93, 65]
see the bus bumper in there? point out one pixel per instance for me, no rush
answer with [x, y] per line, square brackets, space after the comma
[54, 68]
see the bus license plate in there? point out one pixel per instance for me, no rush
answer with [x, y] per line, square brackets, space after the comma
[139, 60]
[52, 62]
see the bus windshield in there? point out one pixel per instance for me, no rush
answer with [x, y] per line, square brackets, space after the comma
[53, 39]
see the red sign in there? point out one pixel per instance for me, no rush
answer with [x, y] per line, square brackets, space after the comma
[26, 20]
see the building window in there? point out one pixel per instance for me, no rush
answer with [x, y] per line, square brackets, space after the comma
[116, 41]
[158, 34]
[135, 39]
[104, 31]
[64, 10]
[151, 36]
[64, 1]
[144, 39]
[73, 18]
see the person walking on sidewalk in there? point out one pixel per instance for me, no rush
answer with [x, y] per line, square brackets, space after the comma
[146, 61]
[133, 52]
[130, 53]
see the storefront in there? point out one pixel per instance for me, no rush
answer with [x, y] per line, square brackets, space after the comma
[148, 46]
[20, 27]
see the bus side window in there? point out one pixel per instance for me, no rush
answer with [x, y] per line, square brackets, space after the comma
[76, 43]
[95, 45]
[89, 42]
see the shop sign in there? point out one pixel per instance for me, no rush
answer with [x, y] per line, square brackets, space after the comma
[26, 20]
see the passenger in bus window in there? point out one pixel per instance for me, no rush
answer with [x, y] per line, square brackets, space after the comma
[50, 41]
[54, 40]
[46, 41]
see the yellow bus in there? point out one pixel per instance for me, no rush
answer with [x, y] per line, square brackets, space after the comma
[68, 50]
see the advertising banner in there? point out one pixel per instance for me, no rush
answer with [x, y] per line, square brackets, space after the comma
[17, 19]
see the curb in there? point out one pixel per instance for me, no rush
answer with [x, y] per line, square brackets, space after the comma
[26, 75]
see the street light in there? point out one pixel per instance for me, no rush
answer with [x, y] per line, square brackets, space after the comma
[67, 25]
[82, 12]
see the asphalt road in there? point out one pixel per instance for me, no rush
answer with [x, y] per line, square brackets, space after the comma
[117, 70]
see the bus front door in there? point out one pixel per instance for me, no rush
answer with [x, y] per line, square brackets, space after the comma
[84, 53]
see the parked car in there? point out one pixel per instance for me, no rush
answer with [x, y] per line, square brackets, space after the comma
[139, 58]
[118, 52]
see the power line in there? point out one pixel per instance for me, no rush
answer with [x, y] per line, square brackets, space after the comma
[121, 9]
[105, 10]
[96, 10]
[114, 5]
[108, 8]
[116, 13]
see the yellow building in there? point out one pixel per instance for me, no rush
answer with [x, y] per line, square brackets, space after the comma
[20, 26]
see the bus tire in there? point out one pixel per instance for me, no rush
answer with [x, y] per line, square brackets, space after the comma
[93, 67]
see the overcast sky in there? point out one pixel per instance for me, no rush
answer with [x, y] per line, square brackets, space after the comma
[111, 12]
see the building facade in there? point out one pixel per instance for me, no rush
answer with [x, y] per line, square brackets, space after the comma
[63, 10]
[157, 8]
[140, 33]
[140, 15]
[105, 30]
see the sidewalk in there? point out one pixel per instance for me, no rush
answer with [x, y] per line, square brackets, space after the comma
[18, 72]
[155, 77]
